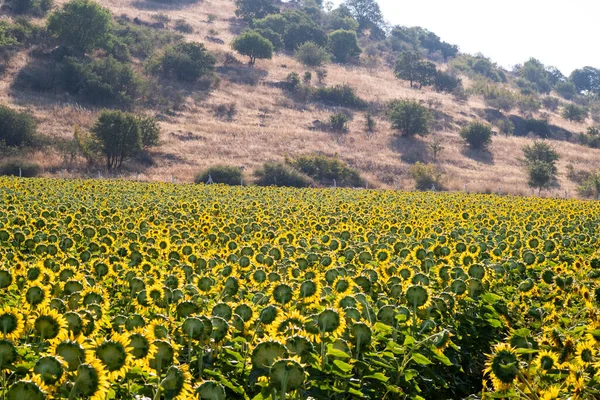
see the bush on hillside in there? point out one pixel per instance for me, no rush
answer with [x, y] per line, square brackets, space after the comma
[539, 127]
[181, 25]
[312, 55]
[339, 96]
[446, 82]
[253, 45]
[141, 41]
[278, 174]
[25, 168]
[225, 174]
[119, 135]
[550, 103]
[17, 129]
[37, 8]
[102, 81]
[275, 38]
[573, 112]
[344, 45]
[186, 62]
[477, 135]
[325, 170]
[409, 117]
[83, 25]
[338, 123]
[426, 176]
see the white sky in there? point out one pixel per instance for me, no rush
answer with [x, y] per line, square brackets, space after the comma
[559, 33]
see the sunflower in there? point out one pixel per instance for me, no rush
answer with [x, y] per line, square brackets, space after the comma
[49, 325]
[331, 321]
[91, 381]
[546, 360]
[12, 325]
[74, 351]
[502, 366]
[50, 370]
[550, 393]
[115, 355]
[585, 352]
[287, 324]
[175, 384]
[140, 347]
[26, 390]
[36, 295]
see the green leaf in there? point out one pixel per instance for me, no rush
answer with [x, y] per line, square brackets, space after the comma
[526, 351]
[335, 352]
[494, 323]
[408, 340]
[377, 376]
[355, 392]
[394, 348]
[420, 359]
[410, 374]
[441, 357]
[344, 367]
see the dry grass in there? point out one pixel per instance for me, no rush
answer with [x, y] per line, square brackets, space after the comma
[269, 125]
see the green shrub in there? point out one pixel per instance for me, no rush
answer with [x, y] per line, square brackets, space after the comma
[528, 104]
[573, 112]
[426, 176]
[17, 129]
[540, 162]
[478, 135]
[186, 62]
[102, 81]
[275, 38]
[312, 55]
[253, 45]
[140, 41]
[297, 33]
[540, 175]
[344, 45]
[446, 82]
[182, 26]
[566, 90]
[33, 7]
[409, 117]
[225, 174]
[27, 169]
[339, 96]
[83, 25]
[325, 170]
[338, 123]
[119, 135]
[550, 103]
[254, 9]
[590, 185]
[149, 131]
[278, 174]
[539, 127]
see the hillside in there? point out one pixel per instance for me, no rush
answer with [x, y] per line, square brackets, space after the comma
[269, 125]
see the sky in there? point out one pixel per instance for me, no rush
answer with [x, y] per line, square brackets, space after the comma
[558, 33]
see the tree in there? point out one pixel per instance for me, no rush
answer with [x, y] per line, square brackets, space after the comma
[409, 117]
[344, 45]
[253, 45]
[566, 90]
[540, 175]
[83, 25]
[586, 79]
[478, 135]
[540, 161]
[535, 72]
[446, 82]
[255, 9]
[573, 112]
[119, 136]
[16, 128]
[366, 12]
[312, 55]
[187, 62]
[410, 67]
[149, 131]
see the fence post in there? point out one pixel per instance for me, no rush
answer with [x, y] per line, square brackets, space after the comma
[20, 173]
[466, 188]
[209, 181]
[334, 184]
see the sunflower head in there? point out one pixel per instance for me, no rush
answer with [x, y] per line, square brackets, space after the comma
[503, 365]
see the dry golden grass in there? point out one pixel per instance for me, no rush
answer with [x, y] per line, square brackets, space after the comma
[268, 125]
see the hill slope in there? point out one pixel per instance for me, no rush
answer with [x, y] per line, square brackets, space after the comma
[269, 125]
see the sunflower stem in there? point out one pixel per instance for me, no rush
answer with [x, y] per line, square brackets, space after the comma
[526, 382]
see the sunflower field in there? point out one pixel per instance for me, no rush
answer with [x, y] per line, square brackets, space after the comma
[124, 290]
